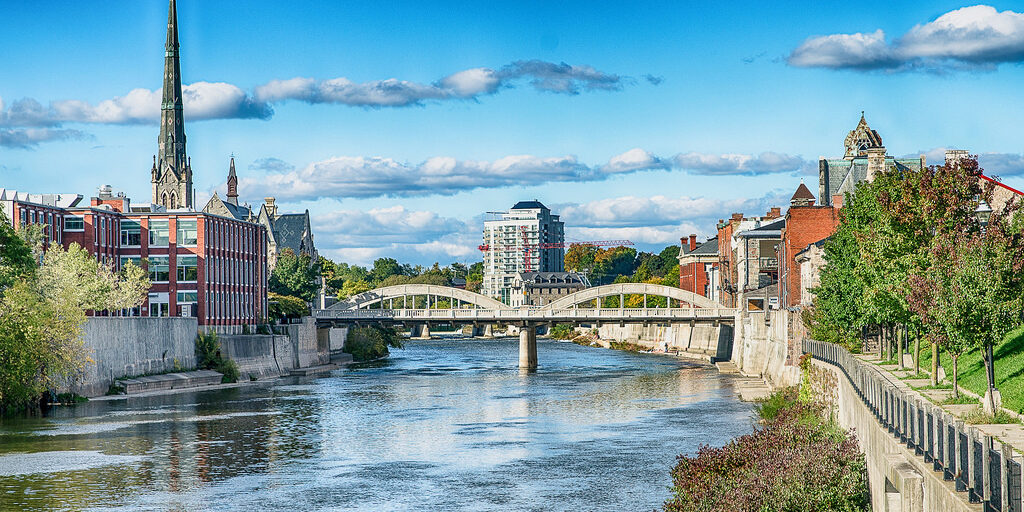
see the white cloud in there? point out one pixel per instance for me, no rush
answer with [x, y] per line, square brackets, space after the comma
[723, 164]
[993, 164]
[975, 37]
[29, 138]
[359, 176]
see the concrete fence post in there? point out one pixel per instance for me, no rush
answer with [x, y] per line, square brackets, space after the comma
[972, 480]
[986, 468]
[958, 449]
[1005, 478]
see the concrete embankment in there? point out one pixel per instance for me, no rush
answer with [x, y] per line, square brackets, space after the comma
[709, 342]
[128, 347]
[123, 347]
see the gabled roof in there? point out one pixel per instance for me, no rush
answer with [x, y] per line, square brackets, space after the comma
[237, 211]
[288, 231]
[528, 205]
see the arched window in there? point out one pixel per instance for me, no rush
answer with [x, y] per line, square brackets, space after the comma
[174, 202]
[163, 200]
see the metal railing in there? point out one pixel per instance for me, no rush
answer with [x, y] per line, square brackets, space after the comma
[529, 314]
[980, 465]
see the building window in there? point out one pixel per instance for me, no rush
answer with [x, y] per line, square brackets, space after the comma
[159, 269]
[74, 223]
[103, 231]
[158, 305]
[159, 233]
[188, 268]
[131, 233]
[134, 260]
[188, 297]
[187, 232]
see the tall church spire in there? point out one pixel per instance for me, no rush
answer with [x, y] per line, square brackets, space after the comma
[172, 174]
[232, 184]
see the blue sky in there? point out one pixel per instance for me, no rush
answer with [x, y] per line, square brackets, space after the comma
[646, 121]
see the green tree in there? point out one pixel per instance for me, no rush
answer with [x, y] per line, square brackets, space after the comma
[294, 275]
[16, 259]
[580, 257]
[41, 319]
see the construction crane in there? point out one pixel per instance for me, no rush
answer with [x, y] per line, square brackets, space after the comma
[529, 248]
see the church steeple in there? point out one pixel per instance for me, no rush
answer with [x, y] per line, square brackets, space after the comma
[172, 175]
[232, 184]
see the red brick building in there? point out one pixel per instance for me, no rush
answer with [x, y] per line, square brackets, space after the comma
[806, 224]
[202, 265]
[698, 267]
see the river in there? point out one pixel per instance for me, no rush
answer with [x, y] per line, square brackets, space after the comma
[441, 425]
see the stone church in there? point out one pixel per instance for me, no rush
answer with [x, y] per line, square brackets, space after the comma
[864, 158]
[284, 230]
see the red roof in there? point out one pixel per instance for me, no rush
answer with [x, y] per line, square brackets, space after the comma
[1000, 184]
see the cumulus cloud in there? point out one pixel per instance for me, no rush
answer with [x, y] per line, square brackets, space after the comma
[219, 100]
[271, 164]
[976, 37]
[994, 164]
[411, 235]
[722, 164]
[202, 100]
[31, 137]
[361, 176]
[466, 84]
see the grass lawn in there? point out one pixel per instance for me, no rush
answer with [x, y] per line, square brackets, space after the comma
[1009, 356]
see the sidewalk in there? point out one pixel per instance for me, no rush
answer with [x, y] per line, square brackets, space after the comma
[1009, 433]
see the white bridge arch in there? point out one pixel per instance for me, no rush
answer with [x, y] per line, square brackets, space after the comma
[611, 290]
[376, 296]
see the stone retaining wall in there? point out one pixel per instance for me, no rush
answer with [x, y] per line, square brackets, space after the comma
[131, 346]
[700, 338]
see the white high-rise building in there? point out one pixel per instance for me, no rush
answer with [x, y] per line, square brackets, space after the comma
[519, 241]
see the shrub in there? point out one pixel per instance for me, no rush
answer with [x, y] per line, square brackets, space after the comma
[798, 460]
[369, 343]
[627, 346]
[562, 332]
[209, 357]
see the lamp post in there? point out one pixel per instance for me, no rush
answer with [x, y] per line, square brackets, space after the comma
[983, 213]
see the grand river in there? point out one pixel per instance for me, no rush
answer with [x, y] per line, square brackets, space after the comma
[441, 425]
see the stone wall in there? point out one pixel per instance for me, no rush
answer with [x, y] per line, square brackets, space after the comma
[262, 355]
[896, 475]
[763, 346]
[123, 347]
[259, 355]
[702, 339]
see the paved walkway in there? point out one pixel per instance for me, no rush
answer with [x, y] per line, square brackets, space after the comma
[1010, 433]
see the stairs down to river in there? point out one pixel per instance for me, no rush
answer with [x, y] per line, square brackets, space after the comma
[166, 381]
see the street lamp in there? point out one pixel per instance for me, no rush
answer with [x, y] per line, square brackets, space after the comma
[983, 213]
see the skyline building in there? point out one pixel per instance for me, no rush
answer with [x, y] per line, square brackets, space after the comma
[526, 238]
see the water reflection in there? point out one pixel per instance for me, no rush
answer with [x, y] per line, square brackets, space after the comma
[443, 425]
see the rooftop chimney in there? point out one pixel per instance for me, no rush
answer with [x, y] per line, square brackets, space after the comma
[774, 213]
[737, 217]
[693, 242]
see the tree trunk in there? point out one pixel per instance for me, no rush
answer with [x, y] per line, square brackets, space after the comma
[956, 388]
[898, 331]
[917, 352]
[935, 364]
[883, 339]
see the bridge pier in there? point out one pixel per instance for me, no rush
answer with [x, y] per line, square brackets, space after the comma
[425, 332]
[488, 331]
[528, 347]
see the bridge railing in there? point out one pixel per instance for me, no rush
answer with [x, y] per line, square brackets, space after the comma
[525, 314]
[977, 463]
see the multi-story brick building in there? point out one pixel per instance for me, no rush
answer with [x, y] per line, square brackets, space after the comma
[746, 254]
[698, 267]
[806, 224]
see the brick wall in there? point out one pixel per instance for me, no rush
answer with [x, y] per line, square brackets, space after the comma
[805, 225]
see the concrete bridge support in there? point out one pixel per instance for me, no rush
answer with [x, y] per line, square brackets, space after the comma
[419, 332]
[528, 347]
[488, 331]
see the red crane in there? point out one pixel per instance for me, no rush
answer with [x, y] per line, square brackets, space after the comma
[529, 248]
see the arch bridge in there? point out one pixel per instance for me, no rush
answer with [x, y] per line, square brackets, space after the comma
[419, 305]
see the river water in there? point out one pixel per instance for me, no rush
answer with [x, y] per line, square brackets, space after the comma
[442, 425]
